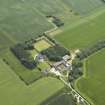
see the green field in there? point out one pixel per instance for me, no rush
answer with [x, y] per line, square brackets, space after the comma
[14, 92]
[92, 84]
[28, 76]
[62, 99]
[21, 20]
[85, 34]
[84, 6]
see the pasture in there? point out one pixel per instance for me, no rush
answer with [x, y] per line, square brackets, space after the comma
[92, 84]
[85, 34]
[25, 20]
[14, 92]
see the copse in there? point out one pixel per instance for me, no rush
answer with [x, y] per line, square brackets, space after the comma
[55, 53]
[24, 56]
[77, 70]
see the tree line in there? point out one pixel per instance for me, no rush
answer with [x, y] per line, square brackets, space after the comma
[89, 51]
[20, 51]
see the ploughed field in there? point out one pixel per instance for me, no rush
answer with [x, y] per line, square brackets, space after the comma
[92, 84]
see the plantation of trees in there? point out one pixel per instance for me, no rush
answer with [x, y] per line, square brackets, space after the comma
[21, 52]
[55, 53]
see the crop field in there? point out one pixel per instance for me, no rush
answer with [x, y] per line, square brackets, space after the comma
[5, 42]
[49, 7]
[23, 20]
[21, 23]
[14, 92]
[63, 99]
[28, 76]
[84, 34]
[20, 19]
[92, 84]
[84, 6]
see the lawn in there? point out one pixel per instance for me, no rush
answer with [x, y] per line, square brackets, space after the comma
[92, 84]
[44, 66]
[42, 45]
[34, 53]
[85, 34]
[14, 92]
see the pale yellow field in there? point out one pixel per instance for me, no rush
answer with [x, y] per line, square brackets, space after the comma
[42, 45]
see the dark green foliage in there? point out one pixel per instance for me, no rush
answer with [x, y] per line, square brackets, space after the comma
[87, 52]
[103, 1]
[55, 53]
[24, 56]
[57, 22]
[77, 71]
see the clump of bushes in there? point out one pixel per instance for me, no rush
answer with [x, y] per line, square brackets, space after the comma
[55, 53]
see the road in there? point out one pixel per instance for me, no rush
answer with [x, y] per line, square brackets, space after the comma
[73, 91]
[77, 95]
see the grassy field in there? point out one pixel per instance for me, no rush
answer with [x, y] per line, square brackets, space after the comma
[84, 6]
[14, 92]
[62, 99]
[21, 20]
[88, 32]
[28, 76]
[44, 66]
[92, 84]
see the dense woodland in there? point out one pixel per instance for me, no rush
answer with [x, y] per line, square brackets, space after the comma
[55, 53]
[20, 50]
